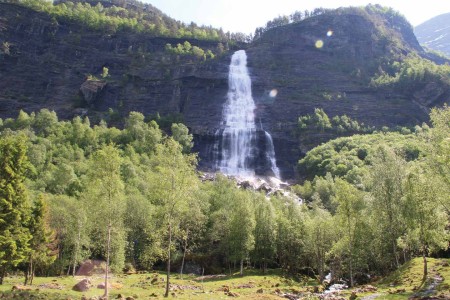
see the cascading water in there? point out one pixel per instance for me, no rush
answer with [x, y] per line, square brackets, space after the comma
[270, 152]
[240, 141]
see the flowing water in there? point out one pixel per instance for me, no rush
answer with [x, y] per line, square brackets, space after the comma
[240, 141]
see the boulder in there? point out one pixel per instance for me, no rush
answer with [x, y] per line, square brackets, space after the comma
[91, 88]
[19, 287]
[102, 286]
[246, 184]
[91, 267]
[264, 187]
[82, 286]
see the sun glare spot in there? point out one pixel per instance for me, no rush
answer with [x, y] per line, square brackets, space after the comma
[273, 93]
[319, 44]
[330, 33]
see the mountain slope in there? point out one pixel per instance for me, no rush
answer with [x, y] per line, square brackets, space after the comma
[435, 33]
[336, 77]
[51, 62]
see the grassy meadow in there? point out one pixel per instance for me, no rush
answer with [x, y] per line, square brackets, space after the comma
[405, 283]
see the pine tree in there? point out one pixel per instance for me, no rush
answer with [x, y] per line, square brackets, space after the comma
[43, 242]
[14, 210]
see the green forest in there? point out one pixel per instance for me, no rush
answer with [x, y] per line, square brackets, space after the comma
[126, 192]
[71, 191]
[118, 16]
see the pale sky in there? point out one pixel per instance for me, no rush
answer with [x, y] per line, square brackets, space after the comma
[245, 15]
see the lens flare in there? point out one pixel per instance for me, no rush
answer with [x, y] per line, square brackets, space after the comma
[319, 44]
[273, 93]
[330, 33]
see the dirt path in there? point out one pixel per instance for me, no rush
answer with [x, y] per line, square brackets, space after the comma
[430, 289]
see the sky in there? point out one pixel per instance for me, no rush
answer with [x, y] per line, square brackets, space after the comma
[245, 15]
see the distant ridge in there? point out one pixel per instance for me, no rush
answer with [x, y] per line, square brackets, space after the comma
[435, 33]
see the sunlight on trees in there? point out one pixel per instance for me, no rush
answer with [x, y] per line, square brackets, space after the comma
[132, 197]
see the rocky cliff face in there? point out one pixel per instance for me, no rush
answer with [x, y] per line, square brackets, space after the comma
[435, 33]
[47, 63]
[332, 74]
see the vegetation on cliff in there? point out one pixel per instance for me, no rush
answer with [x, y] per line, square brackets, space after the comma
[131, 15]
[371, 11]
[411, 71]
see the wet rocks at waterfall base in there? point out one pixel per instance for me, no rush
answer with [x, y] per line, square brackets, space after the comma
[265, 184]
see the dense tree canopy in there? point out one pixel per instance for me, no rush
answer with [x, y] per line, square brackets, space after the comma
[132, 197]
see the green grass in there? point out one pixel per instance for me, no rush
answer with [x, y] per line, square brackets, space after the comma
[152, 285]
[406, 282]
[140, 286]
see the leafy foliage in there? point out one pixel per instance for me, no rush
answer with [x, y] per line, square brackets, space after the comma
[341, 124]
[367, 208]
[412, 71]
[187, 49]
[395, 182]
[124, 16]
[347, 157]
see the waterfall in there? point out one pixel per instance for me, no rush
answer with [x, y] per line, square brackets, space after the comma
[241, 143]
[270, 152]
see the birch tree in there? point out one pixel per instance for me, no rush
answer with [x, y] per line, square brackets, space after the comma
[173, 183]
[105, 192]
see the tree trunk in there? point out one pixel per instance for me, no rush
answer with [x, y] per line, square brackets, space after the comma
[351, 262]
[184, 254]
[60, 256]
[168, 260]
[394, 248]
[31, 271]
[26, 277]
[2, 275]
[73, 266]
[77, 249]
[351, 271]
[264, 265]
[350, 248]
[425, 267]
[108, 249]
[242, 267]
[321, 273]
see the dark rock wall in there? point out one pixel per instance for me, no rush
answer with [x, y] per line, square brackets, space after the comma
[49, 61]
[333, 77]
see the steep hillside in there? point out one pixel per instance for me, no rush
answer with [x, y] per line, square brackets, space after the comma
[52, 62]
[435, 33]
[47, 62]
[357, 44]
